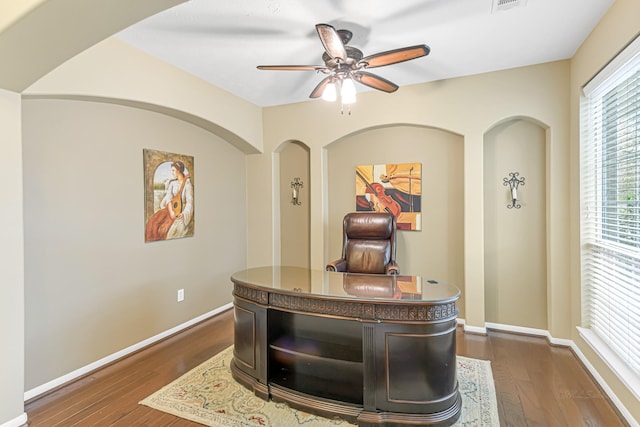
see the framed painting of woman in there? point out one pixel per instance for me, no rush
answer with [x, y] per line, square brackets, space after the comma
[169, 201]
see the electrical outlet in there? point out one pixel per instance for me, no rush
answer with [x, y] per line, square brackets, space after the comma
[180, 295]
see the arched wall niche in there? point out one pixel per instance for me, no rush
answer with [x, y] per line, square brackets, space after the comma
[515, 239]
[386, 126]
[435, 252]
[292, 220]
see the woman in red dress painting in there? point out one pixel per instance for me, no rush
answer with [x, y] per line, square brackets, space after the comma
[174, 218]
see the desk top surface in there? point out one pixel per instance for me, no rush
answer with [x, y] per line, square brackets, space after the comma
[378, 287]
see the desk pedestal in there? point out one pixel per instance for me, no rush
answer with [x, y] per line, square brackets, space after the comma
[374, 363]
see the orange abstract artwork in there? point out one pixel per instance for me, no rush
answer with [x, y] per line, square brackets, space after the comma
[393, 188]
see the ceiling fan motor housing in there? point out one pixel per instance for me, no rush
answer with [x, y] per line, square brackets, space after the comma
[354, 55]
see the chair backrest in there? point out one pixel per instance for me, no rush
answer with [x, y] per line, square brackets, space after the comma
[369, 241]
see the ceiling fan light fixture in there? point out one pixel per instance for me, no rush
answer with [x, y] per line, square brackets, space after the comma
[348, 91]
[330, 93]
[343, 64]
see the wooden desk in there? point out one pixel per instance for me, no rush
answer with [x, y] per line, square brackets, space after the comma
[374, 350]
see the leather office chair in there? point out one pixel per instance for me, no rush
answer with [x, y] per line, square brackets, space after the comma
[368, 244]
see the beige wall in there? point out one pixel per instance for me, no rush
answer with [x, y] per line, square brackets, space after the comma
[11, 260]
[617, 29]
[293, 160]
[515, 239]
[435, 252]
[37, 36]
[115, 72]
[92, 285]
[468, 107]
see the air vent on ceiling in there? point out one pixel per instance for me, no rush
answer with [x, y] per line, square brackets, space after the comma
[500, 5]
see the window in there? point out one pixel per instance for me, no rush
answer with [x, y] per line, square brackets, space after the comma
[610, 220]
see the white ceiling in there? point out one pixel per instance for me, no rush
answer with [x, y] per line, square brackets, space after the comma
[223, 41]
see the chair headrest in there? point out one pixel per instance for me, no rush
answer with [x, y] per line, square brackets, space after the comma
[369, 225]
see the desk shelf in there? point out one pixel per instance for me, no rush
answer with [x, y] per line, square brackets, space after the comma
[303, 347]
[320, 379]
[328, 365]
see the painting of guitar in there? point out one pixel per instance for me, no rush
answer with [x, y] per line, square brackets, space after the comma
[176, 202]
[393, 188]
[384, 202]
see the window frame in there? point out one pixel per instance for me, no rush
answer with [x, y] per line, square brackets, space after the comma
[596, 237]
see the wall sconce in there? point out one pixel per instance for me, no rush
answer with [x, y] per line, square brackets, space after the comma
[513, 184]
[296, 185]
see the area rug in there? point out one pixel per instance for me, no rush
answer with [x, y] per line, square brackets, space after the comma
[209, 395]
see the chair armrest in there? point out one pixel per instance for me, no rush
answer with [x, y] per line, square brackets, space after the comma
[337, 265]
[392, 268]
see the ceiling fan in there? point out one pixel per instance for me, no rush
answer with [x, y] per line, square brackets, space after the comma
[344, 64]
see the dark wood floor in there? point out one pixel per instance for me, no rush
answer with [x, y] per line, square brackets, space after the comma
[536, 384]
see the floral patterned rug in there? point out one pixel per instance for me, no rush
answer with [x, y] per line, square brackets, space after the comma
[209, 395]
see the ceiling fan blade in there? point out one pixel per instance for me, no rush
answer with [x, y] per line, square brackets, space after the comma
[374, 81]
[317, 92]
[331, 41]
[396, 55]
[291, 67]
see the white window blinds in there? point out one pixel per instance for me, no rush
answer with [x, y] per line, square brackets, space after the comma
[610, 203]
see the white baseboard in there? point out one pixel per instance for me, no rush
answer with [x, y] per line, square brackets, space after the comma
[16, 422]
[30, 394]
[570, 343]
[603, 384]
[529, 331]
[472, 329]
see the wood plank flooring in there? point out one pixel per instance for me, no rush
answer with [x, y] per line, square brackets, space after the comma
[536, 384]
